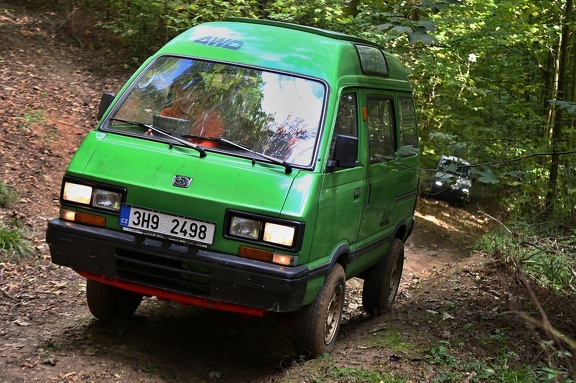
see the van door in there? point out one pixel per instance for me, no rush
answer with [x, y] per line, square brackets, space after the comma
[382, 185]
[343, 191]
[392, 180]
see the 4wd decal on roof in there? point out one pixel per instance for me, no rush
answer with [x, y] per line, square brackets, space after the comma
[220, 42]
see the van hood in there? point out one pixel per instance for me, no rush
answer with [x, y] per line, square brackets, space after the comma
[150, 173]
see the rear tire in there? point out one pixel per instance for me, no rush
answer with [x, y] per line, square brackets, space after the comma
[316, 325]
[108, 303]
[382, 281]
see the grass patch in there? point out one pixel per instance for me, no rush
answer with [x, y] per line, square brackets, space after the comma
[14, 244]
[547, 260]
[7, 195]
[344, 374]
[31, 118]
[389, 339]
[504, 366]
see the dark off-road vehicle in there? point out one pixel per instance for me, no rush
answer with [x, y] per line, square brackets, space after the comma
[452, 181]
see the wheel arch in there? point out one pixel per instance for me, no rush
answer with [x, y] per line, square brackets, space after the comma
[341, 255]
[403, 229]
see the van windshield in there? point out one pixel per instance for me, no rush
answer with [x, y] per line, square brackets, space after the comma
[275, 114]
[455, 168]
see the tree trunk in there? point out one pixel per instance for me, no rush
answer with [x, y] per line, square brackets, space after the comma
[563, 79]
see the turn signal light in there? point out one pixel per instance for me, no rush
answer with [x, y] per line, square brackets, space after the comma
[267, 256]
[86, 219]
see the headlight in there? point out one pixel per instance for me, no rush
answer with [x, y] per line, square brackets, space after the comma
[92, 196]
[265, 230]
[279, 234]
[245, 228]
[77, 193]
[105, 199]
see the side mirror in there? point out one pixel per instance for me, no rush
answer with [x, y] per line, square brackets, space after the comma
[105, 102]
[345, 152]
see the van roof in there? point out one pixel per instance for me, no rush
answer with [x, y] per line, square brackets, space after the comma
[331, 56]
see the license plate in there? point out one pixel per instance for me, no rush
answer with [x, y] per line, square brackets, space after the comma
[168, 225]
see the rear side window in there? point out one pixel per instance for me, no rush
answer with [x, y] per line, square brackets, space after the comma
[408, 126]
[380, 129]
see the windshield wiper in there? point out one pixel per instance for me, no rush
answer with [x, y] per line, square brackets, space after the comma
[287, 166]
[152, 128]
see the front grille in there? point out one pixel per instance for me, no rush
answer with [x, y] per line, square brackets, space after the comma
[163, 271]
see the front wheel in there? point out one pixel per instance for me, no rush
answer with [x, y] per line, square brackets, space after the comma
[317, 324]
[107, 303]
[382, 281]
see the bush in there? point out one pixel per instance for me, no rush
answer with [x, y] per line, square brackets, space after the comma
[14, 245]
[7, 195]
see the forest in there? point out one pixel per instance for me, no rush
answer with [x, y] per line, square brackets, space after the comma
[494, 83]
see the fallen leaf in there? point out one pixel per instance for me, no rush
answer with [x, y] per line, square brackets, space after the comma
[22, 323]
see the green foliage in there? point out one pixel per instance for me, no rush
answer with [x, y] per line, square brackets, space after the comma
[570, 107]
[141, 26]
[327, 14]
[391, 20]
[182, 15]
[483, 93]
[14, 245]
[548, 260]
[30, 118]
[346, 374]
[7, 195]
[454, 367]
[547, 256]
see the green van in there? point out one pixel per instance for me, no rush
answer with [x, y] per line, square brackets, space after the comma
[248, 166]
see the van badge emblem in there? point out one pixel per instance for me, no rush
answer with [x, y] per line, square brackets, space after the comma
[181, 181]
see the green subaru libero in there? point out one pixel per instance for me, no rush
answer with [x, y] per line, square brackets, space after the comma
[248, 166]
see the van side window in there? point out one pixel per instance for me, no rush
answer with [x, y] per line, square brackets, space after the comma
[408, 127]
[346, 118]
[380, 129]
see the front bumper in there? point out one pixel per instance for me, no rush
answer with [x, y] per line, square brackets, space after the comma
[447, 192]
[141, 263]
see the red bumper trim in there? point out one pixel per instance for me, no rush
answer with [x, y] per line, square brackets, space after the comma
[173, 296]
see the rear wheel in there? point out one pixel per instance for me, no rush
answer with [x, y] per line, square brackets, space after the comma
[382, 281]
[317, 324]
[107, 303]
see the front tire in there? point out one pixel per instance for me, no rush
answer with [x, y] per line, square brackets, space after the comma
[108, 303]
[317, 324]
[382, 281]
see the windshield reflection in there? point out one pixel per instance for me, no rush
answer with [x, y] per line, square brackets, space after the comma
[274, 114]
